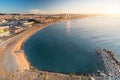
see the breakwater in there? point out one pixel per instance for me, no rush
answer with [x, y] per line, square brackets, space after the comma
[111, 64]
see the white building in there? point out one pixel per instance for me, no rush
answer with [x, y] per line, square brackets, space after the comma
[4, 34]
[4, 31]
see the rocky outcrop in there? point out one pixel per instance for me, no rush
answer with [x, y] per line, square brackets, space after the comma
[111, 65]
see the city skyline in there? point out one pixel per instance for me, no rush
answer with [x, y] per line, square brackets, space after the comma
[60, 6]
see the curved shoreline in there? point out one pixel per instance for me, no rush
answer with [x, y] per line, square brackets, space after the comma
[17, 63]
[12, 62]
[20, 43]
[111, 64]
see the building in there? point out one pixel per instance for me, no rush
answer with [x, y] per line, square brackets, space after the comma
[28, 24]
[13, 29]
[4, 31]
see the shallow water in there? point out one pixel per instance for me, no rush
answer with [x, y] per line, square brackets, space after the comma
[68, 47]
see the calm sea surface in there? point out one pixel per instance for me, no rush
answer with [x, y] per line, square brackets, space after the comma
[68, 47]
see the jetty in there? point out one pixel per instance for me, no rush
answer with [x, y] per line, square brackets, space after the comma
[111, 65]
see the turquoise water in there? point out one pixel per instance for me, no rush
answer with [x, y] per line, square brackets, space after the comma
[68, 46]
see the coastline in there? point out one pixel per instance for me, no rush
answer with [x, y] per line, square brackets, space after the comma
[16, 65]
[12, 62]
[110, 63]
[21, 57]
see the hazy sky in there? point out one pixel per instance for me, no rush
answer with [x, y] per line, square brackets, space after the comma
[60, 6]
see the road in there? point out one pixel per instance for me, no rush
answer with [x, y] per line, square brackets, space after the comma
[12, 39]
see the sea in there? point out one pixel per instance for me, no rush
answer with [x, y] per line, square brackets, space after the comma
[69, 46]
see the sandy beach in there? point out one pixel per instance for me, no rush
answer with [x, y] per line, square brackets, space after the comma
[11, 62]
[15, 66]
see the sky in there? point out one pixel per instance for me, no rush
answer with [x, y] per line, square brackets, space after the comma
[60, 6]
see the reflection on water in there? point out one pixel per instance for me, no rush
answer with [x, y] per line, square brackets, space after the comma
[52, 49]
[68, 26]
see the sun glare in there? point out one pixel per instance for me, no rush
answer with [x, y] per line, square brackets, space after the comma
[114, 11]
